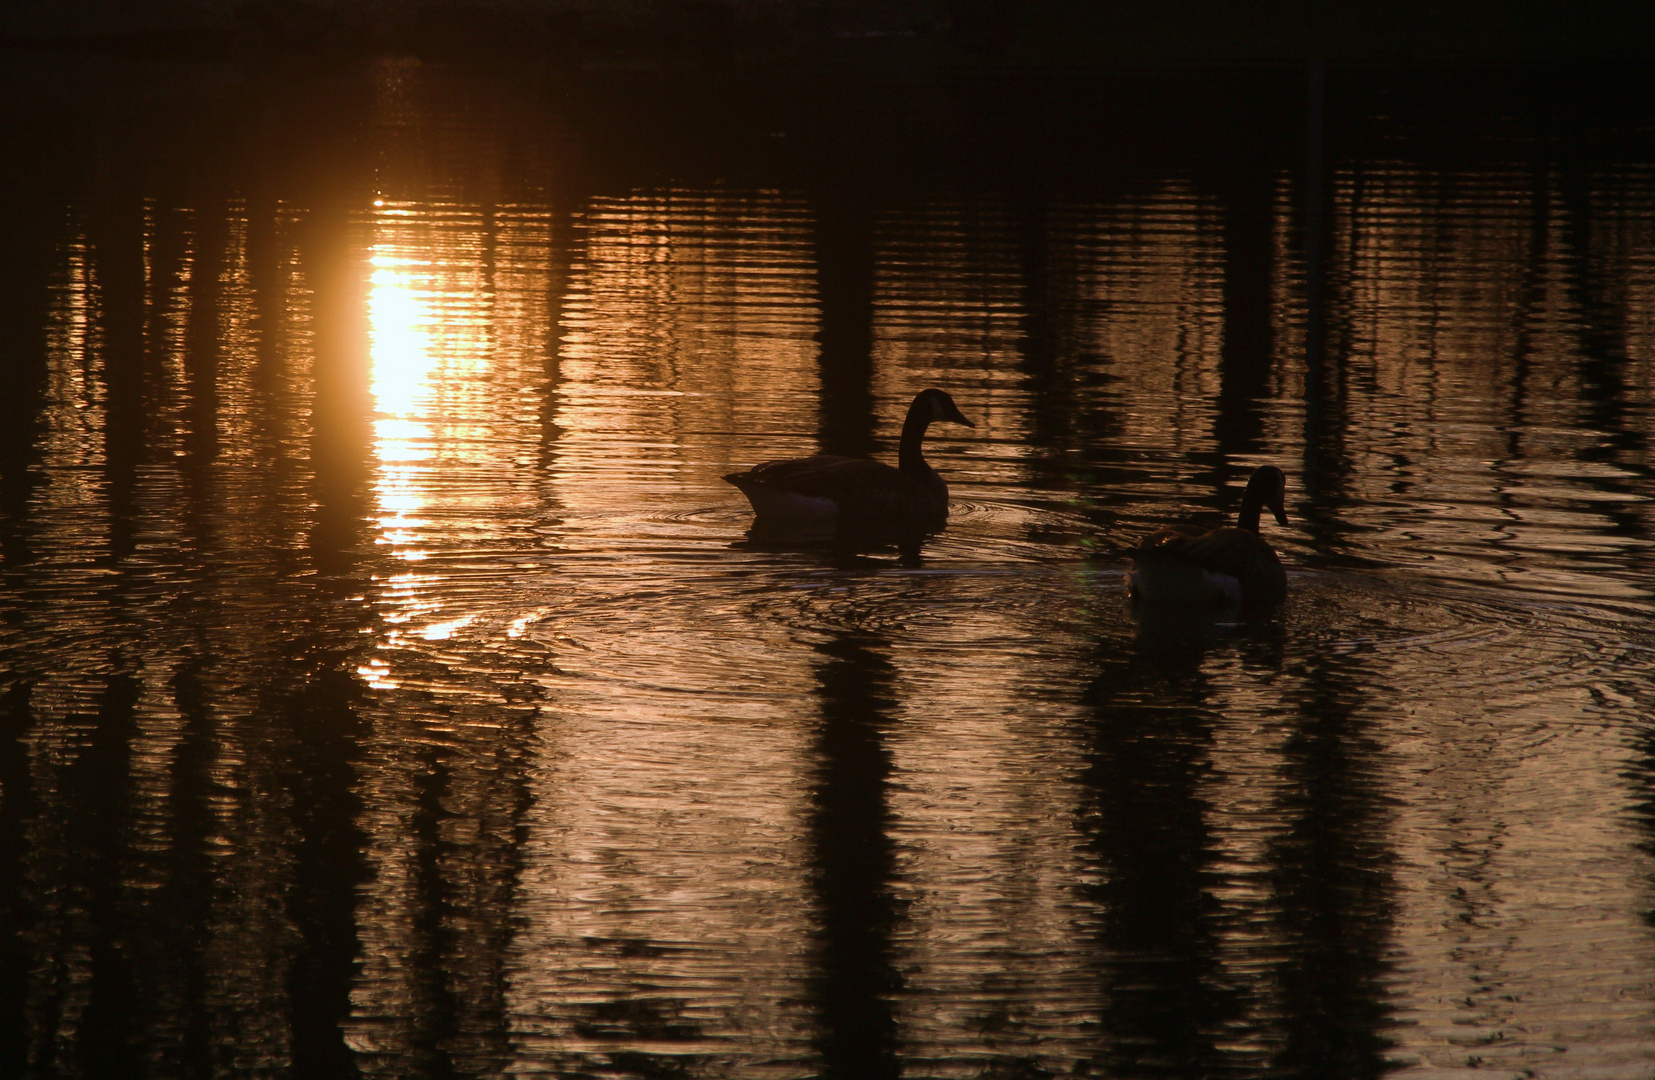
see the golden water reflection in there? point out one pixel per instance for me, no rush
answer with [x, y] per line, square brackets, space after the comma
[451, 341]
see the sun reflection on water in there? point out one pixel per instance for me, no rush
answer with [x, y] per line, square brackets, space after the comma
[457, 329]
[402, 328]
[402, 387]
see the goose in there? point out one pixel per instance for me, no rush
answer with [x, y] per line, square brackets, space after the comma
[1225, 566]
[856, 498]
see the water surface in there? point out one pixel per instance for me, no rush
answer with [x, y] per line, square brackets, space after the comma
[390, 689]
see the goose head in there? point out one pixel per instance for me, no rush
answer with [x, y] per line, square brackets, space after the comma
[935, 405]
[929, 406]
[1266, 488]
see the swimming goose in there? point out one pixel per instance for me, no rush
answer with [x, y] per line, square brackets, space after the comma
[1229, 565]
[829, 495]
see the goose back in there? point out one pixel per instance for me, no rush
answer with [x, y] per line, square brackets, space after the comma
[860, 496]
[854, 492]
[1224, 566]
[1228, 565]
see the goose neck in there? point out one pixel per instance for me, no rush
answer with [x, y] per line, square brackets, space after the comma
[909, 456]
[1251, 504]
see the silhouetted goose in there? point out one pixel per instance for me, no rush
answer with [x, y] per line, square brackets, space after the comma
[1230, 565]
[829, 495]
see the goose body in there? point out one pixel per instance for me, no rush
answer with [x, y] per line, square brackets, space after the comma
[1228, 566]
[829, 495]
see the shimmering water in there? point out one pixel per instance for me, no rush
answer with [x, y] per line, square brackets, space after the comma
[389, 688]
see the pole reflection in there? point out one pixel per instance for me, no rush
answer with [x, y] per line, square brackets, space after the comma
[1145, 822]
[110, 1020]
[1326, 463]
[1316, 196]
[1639, 778]
[203, 343]
[1606, 361]
[189, 890]
[18, 916]
[319, 721]
[170, 257]
[28, 255]
[1042, 351]
[1058, 361]
[842, 239]
[433, 1009]
[1332, 876]
[564, 250]
[1247, 208]
[118, 285]
[853, 860]
[1326, 459]
[322, 728]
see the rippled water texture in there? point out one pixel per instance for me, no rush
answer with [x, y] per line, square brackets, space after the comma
[390, 688]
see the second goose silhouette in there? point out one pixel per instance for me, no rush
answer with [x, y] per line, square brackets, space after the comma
[1225, 566]
[856, 500]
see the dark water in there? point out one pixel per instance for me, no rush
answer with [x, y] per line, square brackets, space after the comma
[389, 689]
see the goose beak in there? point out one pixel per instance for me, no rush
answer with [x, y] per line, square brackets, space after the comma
[1280, 510]
[958, 417]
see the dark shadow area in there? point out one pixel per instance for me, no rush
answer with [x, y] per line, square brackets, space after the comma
[18, 915]
[1332, 876]
[322, 722]
[117, 257]
[713, 37]
[1639, 776]
[844, 248]
[30, 221]
[1062, 376]
[202, 340]
[1149, 848]
[1246, 193]
[1590, 237]
[111, 1033]
[853, 865]
[434, 1022]
[191, 887]
[1326, 461]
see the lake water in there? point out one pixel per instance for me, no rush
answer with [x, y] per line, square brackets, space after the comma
[390, 689]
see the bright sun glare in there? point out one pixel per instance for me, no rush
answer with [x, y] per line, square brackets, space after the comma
[404, 370]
